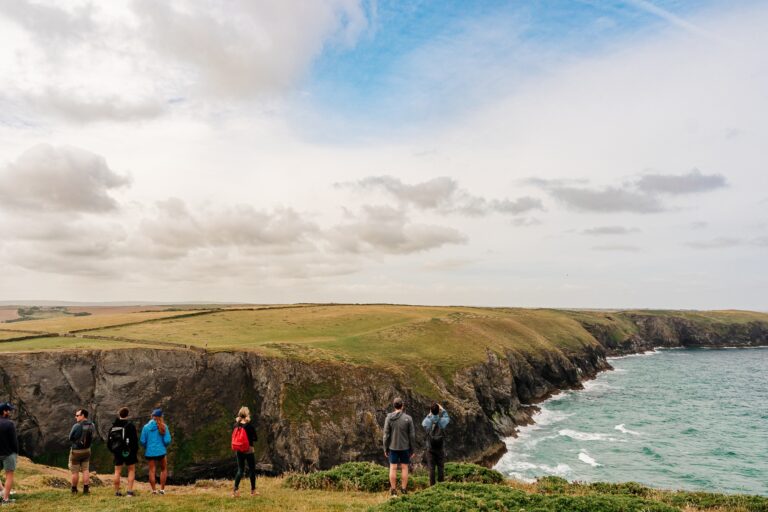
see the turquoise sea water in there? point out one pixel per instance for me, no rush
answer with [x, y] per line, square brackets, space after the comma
[677, 419]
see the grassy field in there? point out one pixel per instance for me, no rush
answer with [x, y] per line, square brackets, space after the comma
[359, 487]
[435, 339]
[64, 324]
[65, 343]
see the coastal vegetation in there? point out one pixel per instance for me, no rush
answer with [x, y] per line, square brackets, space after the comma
[357, 487]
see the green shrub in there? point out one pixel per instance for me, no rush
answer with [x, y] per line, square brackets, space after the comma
[456, 497]
[705, 500]
[370, 477]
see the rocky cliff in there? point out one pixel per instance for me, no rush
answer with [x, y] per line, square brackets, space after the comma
[310, 415]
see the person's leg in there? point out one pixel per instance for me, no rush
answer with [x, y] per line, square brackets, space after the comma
[8, 485]
[151, 474]
[404, 474]
[251, 458]
[392, 476]
[131, 476]
[441, 468]
[85, 465]
[240, 471]
[163, 472]
[75, 479]
[431, 466]
[116, 480]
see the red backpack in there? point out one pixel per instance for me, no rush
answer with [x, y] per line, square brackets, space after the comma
[240, 439]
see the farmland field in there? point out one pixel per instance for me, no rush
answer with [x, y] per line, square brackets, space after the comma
[64, 343]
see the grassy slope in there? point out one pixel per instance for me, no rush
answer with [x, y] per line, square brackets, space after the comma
[65, 343]
[45, 488]
[64, 324]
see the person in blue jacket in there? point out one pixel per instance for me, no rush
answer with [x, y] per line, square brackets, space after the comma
[435, 424]
[155, 438]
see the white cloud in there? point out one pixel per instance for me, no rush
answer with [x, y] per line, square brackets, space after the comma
[59, 179]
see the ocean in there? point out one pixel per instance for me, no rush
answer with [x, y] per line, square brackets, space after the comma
[693, 419]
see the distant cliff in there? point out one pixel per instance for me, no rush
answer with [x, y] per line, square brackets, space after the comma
[314, 415]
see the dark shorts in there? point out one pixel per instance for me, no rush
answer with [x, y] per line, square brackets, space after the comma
[157, 458]
[128, 460]
[399, 456]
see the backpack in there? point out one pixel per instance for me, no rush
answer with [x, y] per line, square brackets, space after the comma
[240, 439]
[117, 440]
[86, 436]
[435, 438]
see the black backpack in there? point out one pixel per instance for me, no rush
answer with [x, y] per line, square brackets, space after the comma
[86, 436]
[118, 441]
[435, 438]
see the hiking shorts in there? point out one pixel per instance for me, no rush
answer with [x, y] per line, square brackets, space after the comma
[8, 462]
[156, 458]
[79, 460]
[399, 456]
[128, 460]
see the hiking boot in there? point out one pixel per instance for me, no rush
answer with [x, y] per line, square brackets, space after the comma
[74, 490]
[393, 492]
[118, 493]
[86, 490]
[403, 491]
[129, 494]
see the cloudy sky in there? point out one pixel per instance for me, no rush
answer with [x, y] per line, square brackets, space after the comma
[580, 153]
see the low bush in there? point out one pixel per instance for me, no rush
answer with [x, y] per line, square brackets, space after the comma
[457, 497]
[370, 477]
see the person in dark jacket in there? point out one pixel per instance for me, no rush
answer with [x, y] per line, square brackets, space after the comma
[127, 454]
[399, 443]
[434, 425]
[243, 420]
[81, 437]
[9, 448]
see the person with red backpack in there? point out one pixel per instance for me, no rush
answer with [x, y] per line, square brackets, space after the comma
[243, 438]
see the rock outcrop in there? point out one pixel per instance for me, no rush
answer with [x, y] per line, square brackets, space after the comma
[310, 415]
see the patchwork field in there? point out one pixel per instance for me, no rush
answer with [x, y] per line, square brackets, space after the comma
[66, 343]
[64, 324]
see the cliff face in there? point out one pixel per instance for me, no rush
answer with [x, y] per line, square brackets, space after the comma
[310, 415]
[307, 415]
[654, 331]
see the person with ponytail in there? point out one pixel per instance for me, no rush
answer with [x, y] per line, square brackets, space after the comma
[243, 439]
[155, 438]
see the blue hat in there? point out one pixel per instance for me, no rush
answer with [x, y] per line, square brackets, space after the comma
[158, 412]
[6, 406]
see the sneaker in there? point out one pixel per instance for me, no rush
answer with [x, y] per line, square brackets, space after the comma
[154, 492]
[118, 493]
[161, 491]
[9, 501]
[129, 494]
[393, 492]
[74, 490]
[403, 491]
[254, 492]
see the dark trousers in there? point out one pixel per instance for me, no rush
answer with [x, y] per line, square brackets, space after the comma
[241, 459]
[436, 460]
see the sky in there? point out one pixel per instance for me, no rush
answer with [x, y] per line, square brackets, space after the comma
[571, 154]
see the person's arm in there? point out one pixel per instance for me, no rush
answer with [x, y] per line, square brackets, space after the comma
[412, 435]
[76, 432]
[251, 431]
[444, 419]
[167, 436]
[133, 438]
[143, 440]
[387, 434]
[427, 423]
[14, 439]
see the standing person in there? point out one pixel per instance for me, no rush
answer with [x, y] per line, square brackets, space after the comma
[81, 437]
[123, 442]
[399, 443]
[434, 424]
[9, 448]
[243, 438]
[155, 438]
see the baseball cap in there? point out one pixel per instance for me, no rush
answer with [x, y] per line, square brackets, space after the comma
[6, 406]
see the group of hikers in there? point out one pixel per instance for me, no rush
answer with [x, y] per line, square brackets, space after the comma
[123, 441]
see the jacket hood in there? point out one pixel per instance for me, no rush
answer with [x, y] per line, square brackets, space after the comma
[152, 425]
[396, 415]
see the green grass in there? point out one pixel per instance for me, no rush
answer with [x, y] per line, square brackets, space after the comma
[64, 343]
[370, 477]
[67, 323]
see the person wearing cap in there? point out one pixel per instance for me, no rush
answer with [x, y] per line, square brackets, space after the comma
[399, 443]
[9, 448]
[155, 439]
